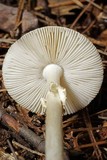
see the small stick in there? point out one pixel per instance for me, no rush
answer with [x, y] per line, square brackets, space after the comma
[103, 111]
[18, 23]
[20, 10]
[98, 42]
[2, 90]
[77, 2]
[12, 149]
[69, 121]
[11, 41]
[89, 27]
[28, 149]
[46, 20]
[91, 135]
[81, 13]
[102, 52]
[86, 129]
[95, 5]
[92, 144]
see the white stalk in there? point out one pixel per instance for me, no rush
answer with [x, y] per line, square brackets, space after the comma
[54, 133]
[54, 112]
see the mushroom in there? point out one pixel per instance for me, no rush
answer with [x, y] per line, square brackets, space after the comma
[53, 70]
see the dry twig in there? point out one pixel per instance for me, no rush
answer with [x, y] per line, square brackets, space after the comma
[81, 13]
[12, 149]
[28, 149]
[18, 24]
[91, 135]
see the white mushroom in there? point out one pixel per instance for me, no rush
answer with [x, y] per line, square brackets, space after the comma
[49, 63]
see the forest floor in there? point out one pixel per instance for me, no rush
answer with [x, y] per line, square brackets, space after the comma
[22, 133]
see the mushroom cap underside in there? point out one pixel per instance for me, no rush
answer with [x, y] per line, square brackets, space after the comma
[26, 59]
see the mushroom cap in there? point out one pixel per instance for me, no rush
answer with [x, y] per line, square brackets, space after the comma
[26, 59]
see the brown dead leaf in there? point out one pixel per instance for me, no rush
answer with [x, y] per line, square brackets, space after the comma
[64, 10]
[78, 3]
[103, 35]
[8, 18]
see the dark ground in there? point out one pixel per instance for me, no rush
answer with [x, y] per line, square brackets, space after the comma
[85, 133]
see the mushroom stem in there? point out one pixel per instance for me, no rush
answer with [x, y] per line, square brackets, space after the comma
[54, 133]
